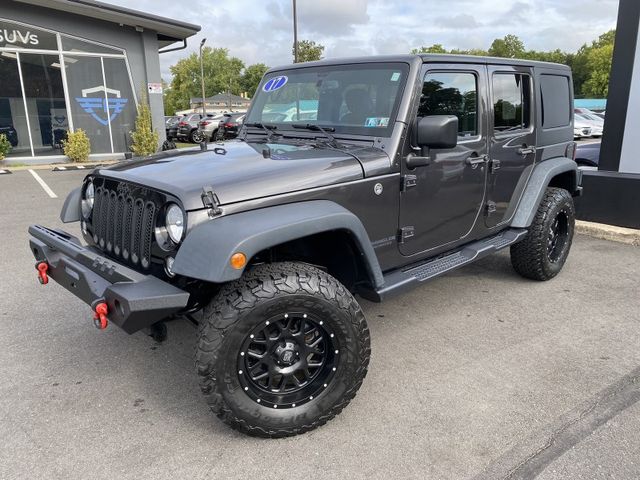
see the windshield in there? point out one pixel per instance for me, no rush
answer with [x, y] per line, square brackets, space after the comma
[359, 99]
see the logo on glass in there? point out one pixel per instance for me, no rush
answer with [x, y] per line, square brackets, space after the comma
[275, 83]
[102, 107]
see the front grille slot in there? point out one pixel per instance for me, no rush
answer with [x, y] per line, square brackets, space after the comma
[123, 223]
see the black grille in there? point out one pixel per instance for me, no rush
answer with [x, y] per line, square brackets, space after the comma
[123, 223]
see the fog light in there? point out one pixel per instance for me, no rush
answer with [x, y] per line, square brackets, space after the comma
[168, 266]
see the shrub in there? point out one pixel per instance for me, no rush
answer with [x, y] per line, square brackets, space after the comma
[77, 146]
[5, 146]
[144, 140]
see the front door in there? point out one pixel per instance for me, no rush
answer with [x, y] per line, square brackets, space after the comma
[441, 202]
[512, 149]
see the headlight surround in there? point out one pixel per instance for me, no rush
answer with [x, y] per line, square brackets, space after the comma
[174, 222]
[88, 199]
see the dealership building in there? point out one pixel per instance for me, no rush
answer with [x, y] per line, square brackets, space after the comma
[79, 64]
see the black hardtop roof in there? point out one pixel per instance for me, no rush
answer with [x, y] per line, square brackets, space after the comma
[427, 58]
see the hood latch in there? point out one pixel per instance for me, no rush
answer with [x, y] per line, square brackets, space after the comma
[210, 201]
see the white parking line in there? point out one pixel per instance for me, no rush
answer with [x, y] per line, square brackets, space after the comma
[44, 186]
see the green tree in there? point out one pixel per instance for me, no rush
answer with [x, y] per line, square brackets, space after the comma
[584, 60]
[435, 48]
[508, 47]
[308, 51]
[251, 77]
[221, 74]
[599, 63]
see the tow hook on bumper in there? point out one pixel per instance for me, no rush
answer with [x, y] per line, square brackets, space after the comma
[43, 268]
[100, 316]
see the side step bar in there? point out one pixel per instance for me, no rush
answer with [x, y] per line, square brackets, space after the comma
[403, 279]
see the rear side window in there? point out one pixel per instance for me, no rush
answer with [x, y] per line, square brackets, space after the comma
[556, 101]
[511, 102]
[452, 93]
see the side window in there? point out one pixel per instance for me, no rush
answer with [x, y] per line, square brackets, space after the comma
[511, 102]
[452, 93]
[556, 101]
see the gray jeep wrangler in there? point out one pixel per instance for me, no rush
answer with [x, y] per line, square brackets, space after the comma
[365, 176]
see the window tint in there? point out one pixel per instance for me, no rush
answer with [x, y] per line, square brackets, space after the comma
[556, 101]
[511, 102]
[452, 93]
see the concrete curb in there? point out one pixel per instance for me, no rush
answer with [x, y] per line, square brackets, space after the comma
[609, 232]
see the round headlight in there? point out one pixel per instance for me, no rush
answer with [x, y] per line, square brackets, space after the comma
[174, 221]
[87, 200]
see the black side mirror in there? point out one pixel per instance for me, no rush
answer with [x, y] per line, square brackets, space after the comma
[434, 131]
[438, 131]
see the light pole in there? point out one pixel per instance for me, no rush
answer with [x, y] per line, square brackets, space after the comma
[204, 110]
[295, 33]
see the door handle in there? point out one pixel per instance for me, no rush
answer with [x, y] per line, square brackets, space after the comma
[475, 161]
[524, 151]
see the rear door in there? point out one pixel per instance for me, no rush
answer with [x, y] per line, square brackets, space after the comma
[441, 202]
[512, 144]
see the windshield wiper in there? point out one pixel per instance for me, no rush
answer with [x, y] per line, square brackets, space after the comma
[325, 131]
[268, 129]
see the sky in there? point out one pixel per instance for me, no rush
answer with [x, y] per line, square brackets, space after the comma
[261, 30]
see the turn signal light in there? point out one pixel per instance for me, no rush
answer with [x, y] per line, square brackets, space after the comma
[238, 260]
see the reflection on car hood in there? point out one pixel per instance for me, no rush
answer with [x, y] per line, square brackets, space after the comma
[240, 171]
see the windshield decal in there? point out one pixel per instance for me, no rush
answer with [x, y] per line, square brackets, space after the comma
[376, 122]
[395, 77]
[275, 83]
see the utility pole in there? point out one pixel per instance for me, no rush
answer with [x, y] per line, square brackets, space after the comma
[204, 108]
[295, 33]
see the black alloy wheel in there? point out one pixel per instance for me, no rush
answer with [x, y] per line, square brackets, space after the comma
[558, 236]
[287, 360]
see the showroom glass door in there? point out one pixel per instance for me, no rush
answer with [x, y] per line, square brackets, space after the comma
[88, 100]
[13, 118]
[46, 106]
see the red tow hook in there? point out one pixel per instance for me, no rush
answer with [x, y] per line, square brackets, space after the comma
[42, 268]
[100, 316]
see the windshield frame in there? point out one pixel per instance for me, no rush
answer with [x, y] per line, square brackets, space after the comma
[340, 129]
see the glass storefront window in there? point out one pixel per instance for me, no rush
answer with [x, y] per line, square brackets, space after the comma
[62, 91]
[15, 35]
[87, 100]
[70, 44]
[46, 108]
[122, 104]
[13, 120]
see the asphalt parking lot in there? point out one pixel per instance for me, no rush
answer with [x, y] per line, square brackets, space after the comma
[479, 374]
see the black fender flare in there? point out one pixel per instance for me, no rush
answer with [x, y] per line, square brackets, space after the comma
[207, 249]
[540, 179]
[71, 208]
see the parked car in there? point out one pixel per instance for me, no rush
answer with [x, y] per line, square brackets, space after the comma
[209, 127]
[229, 125]
[596, 124]
[171, 126]
[11, 134]
[588, 154]
[265, 242]
[581, 130]
[188, 128]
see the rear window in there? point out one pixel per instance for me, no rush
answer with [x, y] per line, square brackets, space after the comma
[556, 101]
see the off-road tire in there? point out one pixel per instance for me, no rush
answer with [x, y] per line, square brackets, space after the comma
[530, 257]
[241, 306]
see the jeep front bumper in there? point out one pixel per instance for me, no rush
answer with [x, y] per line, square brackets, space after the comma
[134, 300]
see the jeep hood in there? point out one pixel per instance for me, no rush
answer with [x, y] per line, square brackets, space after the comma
[240, 171]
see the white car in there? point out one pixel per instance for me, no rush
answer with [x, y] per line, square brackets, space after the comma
[595, 122]
[580, 129]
